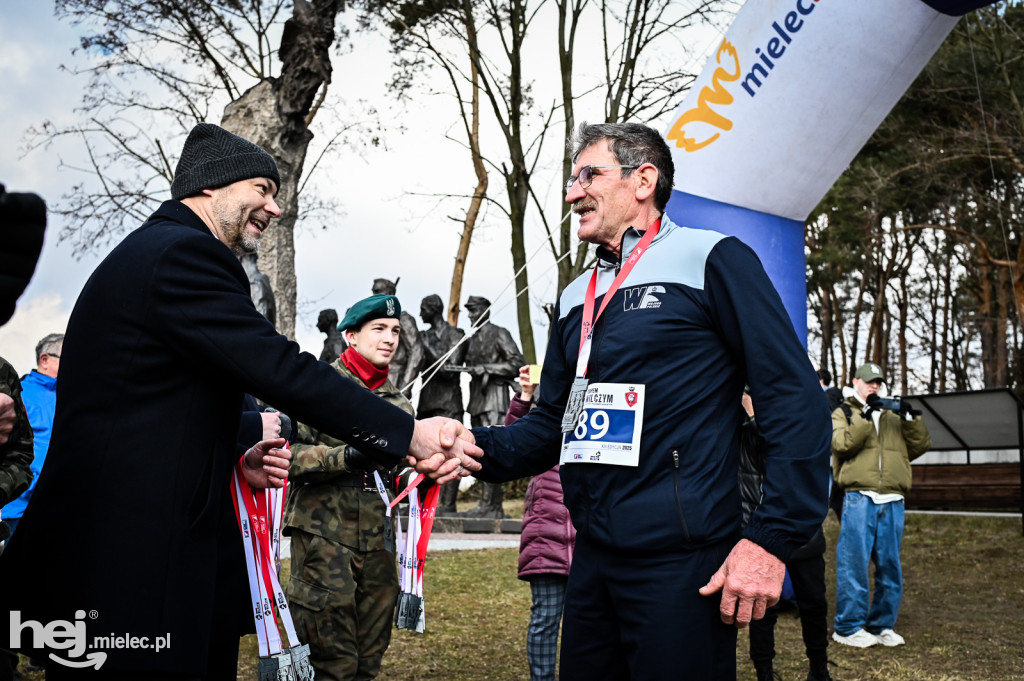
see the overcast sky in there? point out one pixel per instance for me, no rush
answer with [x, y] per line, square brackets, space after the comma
[387, 228]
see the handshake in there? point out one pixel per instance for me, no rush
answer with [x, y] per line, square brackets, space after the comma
[443, 449]
[440, 448]
[876, 403]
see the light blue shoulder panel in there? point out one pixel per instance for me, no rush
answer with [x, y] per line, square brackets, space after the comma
[677, 256]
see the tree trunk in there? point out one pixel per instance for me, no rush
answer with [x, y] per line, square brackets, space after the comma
[947, 312]
[275, 114]
[903, 301]
[841, 374]
[455, 292]
[518, 196]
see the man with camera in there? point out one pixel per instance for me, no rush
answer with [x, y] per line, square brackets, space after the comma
[873, 442]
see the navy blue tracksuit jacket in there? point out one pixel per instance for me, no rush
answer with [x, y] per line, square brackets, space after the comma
[694, 320]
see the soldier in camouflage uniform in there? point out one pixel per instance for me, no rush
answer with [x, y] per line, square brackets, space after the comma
[344, 581]
[15, 466]
[15, 441]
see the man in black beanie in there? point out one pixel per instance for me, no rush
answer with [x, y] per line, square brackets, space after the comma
[23, 217]
[131, 531]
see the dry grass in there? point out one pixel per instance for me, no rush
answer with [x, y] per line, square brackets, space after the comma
[961, 614]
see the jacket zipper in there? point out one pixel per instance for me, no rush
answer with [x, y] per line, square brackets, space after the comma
[675, 490]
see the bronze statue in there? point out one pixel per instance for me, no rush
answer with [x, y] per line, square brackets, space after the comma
[493, 360]
[334, 344]
[259, 288]
[406, 361]
[440, 393]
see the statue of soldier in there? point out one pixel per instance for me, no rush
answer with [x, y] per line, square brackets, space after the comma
[493, 360]
[260, 290]
[440, 393]
[334, 344]
[406, 361]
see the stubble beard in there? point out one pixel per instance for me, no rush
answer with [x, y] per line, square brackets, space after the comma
[233, 223]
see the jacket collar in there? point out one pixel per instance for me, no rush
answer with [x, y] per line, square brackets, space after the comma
[178, 212]
[630, 238]
[48, 382]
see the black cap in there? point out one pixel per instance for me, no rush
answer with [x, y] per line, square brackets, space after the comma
[213, 157]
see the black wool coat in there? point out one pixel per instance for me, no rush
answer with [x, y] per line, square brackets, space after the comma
[128, 520]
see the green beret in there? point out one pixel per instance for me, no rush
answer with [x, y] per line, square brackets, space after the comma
[374, 307]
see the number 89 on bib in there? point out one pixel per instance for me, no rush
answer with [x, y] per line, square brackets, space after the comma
[608, 428]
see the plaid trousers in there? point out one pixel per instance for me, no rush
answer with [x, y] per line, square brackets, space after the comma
[548, 592]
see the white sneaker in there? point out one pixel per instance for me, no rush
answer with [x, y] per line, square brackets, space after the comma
[858, 639]
[888, 637]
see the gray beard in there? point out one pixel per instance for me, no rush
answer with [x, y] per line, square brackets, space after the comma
[233, 229]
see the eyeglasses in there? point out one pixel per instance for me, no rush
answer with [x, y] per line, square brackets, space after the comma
[586, 176]
[52, 354]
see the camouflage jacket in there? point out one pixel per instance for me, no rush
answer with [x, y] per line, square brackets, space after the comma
[16, 453]
[317, 502]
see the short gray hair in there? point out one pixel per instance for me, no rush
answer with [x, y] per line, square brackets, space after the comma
[632, 144]
[49, 345]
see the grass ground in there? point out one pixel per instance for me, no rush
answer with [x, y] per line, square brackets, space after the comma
[961, 615]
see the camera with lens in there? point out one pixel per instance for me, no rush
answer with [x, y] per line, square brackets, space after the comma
[889, 403]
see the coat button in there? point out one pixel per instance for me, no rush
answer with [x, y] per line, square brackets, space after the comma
[382, 442]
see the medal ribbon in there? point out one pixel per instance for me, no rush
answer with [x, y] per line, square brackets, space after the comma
[408, 488]
[262, 545]
[427, 514]
[589, 319]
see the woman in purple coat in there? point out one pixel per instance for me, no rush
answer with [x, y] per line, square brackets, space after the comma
[545, 551]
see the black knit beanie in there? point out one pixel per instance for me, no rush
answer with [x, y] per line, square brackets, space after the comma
[213, 157]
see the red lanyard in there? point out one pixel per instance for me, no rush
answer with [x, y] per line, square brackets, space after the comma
[427, 513]
[589, 319]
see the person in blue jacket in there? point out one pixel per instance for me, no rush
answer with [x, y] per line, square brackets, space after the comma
[39, 393]
[641, 414]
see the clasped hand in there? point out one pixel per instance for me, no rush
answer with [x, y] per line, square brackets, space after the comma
[443, 449]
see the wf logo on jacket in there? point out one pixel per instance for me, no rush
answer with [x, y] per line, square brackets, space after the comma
[641, 297]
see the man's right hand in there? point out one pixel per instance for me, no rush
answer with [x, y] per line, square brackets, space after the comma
[8, 415]
[870, 404]
[443, 449]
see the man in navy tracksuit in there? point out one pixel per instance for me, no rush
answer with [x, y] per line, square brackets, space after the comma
[643, 418]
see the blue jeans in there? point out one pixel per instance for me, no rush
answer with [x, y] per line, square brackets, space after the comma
[869, 532]
[548, 592]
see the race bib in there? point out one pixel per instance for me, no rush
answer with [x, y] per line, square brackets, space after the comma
[608, 427]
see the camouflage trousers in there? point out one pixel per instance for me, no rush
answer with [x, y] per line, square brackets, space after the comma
[343, 604]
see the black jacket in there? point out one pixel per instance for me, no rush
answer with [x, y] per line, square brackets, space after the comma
[752, 447]
[131, 514]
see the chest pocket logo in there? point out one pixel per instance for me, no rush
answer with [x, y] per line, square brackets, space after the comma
[642, 297]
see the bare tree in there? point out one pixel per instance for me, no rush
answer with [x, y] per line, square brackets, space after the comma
[481, 46]
[155, 69]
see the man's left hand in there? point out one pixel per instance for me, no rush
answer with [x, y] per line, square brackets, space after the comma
[750, 580]
[271, 424]
[266, 464]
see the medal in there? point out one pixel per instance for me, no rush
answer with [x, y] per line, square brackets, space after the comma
[574, 406]
[301, 667]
